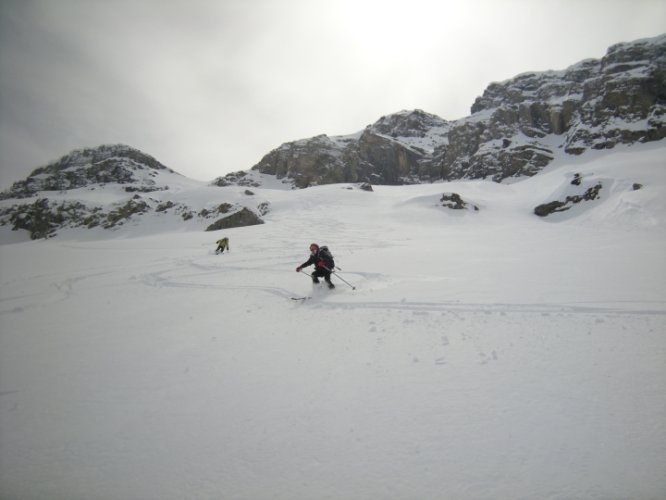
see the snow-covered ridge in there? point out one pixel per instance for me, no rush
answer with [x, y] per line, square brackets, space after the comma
[105, 164]
[625, 182]
[518, 129]
[111, 187]
[513, 131]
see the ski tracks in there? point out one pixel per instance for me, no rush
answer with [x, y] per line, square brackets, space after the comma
[192, 273]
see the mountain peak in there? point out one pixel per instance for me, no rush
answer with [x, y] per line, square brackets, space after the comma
[515, 130]
[92, 156]
[105, 164]
[407, 123]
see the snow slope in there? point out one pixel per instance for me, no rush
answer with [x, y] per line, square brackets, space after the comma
[486, 354]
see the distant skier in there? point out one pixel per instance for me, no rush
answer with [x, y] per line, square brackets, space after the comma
[324, 264]
[222, 245]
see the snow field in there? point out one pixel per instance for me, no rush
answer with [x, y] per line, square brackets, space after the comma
[483, 355]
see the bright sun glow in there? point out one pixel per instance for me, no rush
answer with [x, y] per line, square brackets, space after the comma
[396, 28]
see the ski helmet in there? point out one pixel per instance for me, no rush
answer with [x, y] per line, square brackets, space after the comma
[314, 247]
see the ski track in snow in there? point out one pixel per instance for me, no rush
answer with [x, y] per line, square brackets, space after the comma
[342, 298]
[175, 278]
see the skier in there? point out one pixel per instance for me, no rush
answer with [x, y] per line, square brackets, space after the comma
[221, 245]
[324, 264]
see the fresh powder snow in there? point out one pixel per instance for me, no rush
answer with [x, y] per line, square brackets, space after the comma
[484, 354]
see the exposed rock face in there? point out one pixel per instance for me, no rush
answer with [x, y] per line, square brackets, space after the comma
[235, 179]
[395, 150]
[43, 217]
[513, 130]
[383, 160]
[102, 165]
[455, 202]
[516, 128]
[593, 104]
[546, 209]
[122, 179]
[242, 218]
[317, 160]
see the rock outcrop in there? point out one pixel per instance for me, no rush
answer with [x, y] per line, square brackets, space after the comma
[242, 218]
[513, 131]
[106, 188]
[516, 129]
[118, 164]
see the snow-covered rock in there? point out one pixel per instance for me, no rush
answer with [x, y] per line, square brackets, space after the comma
[116, 186]
[516, 127]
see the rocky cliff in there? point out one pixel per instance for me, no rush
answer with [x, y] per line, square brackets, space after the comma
[101, 165]
[114, 186]
[397, 149]
[514, 130]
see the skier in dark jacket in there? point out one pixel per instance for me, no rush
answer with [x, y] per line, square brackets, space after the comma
[323, 262]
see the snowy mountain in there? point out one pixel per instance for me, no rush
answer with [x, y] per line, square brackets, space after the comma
[378, 154]
[517, 127]
[485, 352]
[117, 164]
[115, 186]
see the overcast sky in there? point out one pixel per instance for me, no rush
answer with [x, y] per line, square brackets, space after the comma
[209, 87]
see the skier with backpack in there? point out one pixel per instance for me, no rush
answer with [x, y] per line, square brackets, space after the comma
[323, 261]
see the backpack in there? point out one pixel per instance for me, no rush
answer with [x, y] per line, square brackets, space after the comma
[325, 254]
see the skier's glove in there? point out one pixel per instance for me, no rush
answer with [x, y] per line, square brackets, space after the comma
[298, 269]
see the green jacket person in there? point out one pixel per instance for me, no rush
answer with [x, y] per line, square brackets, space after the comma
[222, 245]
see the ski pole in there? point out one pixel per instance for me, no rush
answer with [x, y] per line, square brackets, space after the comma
[345, 281]
[341, 278]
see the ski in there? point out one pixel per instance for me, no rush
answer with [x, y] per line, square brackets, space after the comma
[301, 298]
